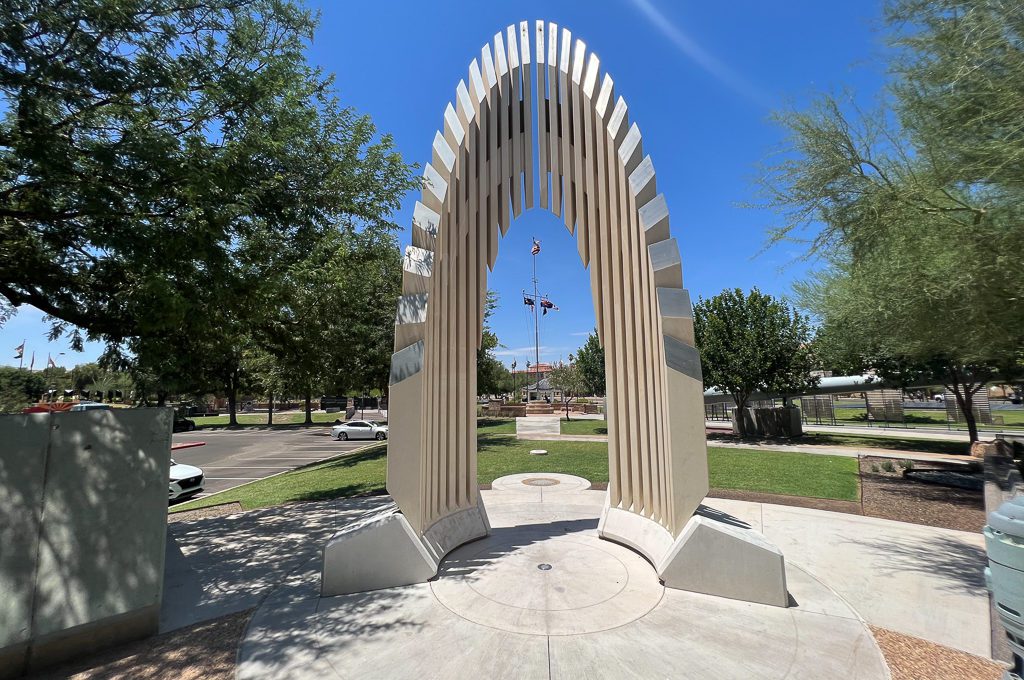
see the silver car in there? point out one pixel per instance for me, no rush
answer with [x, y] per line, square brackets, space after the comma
[359, 429]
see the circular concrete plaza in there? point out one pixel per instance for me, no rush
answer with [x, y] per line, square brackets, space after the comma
[543, 597]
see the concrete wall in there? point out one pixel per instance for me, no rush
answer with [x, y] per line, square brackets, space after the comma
[83, 521]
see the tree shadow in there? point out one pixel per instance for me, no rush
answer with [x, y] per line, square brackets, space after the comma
[959, 565]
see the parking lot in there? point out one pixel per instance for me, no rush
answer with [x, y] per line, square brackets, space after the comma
[233, 457]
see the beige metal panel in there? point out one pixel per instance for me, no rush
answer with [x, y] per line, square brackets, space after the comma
[688, 462]
[642, 182]
[424, 226]
[405, 459]
[489, 234]
[464, 105]
[504, 101]
[602, 110]
[631, 150]
[565, 107]
[668, 267]
[543, 132]
[579, 146]
[527, 113]
[416, 267]
[409, 320]
[515, 141]
[434, 188]
[442, 157]
[654, 219]
[676, 314]
[554, 134]
[637, 341]
[589, 235]
[454, 133]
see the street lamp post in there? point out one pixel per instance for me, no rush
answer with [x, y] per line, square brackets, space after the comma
[515, 395]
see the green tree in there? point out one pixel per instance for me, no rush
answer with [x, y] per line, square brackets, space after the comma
[492, 377]
[143, 144]
[753, 343]
[916, 209]
[19, 388]
[590, 360]
[569, 379]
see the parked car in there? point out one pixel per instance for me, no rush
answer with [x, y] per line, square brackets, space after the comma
[186, 480]
[90, 406]
[359, 429]
[183, 424]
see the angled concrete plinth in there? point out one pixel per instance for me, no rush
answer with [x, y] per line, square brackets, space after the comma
[381, 550]
[713, 555]
[727, 560]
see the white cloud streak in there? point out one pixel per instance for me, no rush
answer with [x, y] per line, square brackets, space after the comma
[701, 57]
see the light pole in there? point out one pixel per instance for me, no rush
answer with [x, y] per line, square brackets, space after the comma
[527, 382]
[515, 395]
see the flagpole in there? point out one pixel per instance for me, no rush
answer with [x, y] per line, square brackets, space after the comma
[536, 325]
[21, 354]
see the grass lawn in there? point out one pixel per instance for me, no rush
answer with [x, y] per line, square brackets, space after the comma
[781, 472]
[292, 418]
[784, 472]
[584, 426]
[496, 425]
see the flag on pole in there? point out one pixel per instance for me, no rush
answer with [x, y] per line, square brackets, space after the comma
[20, 350]
[50, 363]
[528, 301]
[536, 247]
[32, 362]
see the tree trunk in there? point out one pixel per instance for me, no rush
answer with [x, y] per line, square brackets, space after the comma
[963, 391]
[270, 409]
[233, 400]
[566, 409]
[309, 413]
[161, 399]
[741, 422]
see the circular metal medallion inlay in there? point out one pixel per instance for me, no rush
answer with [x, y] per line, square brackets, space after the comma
[544, 566]
[540, 481]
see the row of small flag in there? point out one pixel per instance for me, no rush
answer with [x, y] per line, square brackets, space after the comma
[19, 354]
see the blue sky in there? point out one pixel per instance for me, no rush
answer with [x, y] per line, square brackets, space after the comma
[700, 78]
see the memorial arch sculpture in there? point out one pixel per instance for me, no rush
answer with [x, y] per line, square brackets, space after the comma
[537, 124]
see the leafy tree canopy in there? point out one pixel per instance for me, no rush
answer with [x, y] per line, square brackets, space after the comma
[142, 143]
[590, 360]
[753, 343]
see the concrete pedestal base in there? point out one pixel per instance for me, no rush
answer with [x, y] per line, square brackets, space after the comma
[713, 555]
[382, 550]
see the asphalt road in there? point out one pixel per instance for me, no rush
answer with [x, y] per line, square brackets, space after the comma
[233, 457]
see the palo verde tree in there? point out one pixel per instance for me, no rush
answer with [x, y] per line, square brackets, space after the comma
[751, 344]
[916, 209]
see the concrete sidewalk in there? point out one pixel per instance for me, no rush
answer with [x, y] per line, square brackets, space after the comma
[913, 579]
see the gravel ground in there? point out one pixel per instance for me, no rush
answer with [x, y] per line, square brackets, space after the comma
[203, 513]
[912, 658]
[888, 495]
[205, 651]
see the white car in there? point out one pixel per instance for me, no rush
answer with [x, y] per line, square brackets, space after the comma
[186, 480]
[359, 429]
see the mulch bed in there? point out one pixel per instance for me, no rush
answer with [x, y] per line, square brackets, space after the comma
[911, 658]
[204, 651]
[889, 496]
[850, 507]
